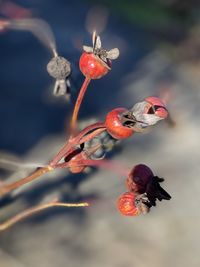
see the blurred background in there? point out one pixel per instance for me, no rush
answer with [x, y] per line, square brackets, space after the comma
[159, 42]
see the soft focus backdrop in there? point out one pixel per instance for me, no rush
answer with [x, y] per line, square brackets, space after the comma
[159, 44]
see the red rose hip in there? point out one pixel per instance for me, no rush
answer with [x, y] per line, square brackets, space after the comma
[92, 66]
[95, 62]
[114, 124]
[126, 204]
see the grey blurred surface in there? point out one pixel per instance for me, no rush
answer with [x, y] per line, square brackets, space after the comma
[99, 235]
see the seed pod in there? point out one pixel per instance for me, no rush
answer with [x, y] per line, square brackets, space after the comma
[59, 68]
[95, 62]
[126, 204]
[74, 167]
[92, 66]
[138, 178]
[114, 124]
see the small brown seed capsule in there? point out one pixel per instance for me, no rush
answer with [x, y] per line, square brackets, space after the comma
[59, 68]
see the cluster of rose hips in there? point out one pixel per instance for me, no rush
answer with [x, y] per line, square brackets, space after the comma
[143, 191]
[120, 123]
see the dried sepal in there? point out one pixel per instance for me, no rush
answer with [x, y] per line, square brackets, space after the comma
[143, 203]
[97, 49]
[155, 191]
[145, 114]
[87, 49]
[113, 53]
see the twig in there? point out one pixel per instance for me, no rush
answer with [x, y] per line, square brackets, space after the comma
[91, 135]
[36, 174]
[63, 152]
[78, 104]
[20, 216]
[82, 137]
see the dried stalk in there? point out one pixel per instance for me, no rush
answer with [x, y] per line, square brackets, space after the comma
[20, 216]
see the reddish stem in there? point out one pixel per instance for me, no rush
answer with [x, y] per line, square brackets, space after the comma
[63, 152]
[86, 130]
[82, 137]
[91, 135]
[78, 104]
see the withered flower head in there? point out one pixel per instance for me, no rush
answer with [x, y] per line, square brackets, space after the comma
[102, 53]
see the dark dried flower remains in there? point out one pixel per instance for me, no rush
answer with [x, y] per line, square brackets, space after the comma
[59, 68]
[146, 187]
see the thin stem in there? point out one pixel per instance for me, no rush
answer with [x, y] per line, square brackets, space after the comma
[36, 174]
[10, 222]
[63, 152]
[82, 137]
[86, 130]
[39, 28]
[66, 150]
[91, 135]
[78, 104]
